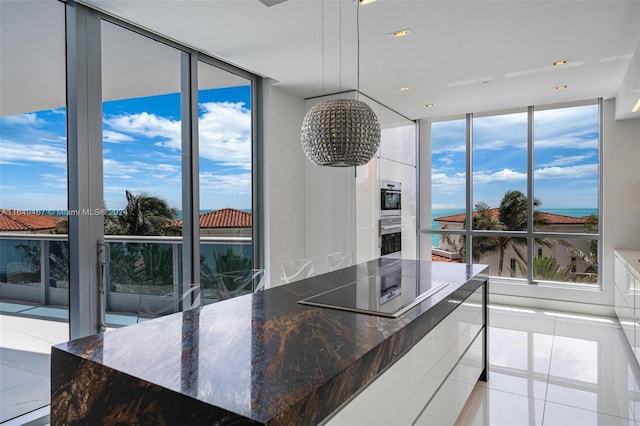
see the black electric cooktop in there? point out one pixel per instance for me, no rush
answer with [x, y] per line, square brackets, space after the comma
[389, 292]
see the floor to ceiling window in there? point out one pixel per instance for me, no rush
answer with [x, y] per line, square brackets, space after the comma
[566, 166]
[34, 277]
[532, 194]
[142, 147]
[116, 143]
[225, 182]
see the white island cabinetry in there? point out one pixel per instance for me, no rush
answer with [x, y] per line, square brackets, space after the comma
[627, 295]
[431, 383]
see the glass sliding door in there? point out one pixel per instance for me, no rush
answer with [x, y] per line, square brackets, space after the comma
[225, 192]
[142, 147]
[34, 276]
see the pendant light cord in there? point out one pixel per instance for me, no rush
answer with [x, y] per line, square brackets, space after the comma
[340, 44]
[358, 48]
[322, 44]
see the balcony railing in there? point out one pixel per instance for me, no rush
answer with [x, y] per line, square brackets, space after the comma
[142, 276]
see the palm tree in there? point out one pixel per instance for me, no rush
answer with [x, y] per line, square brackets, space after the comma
[590, 257]
[482, 219]
[146, 215]
[547, 268]
[512, 216]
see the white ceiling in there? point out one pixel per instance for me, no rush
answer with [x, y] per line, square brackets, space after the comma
[454, 47]
[309, 47]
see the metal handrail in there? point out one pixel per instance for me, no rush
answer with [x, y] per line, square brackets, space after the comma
[117, 238]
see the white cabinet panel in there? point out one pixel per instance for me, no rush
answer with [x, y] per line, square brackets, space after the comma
[623, 280]
[626, 317]
[445, 407]
[398, 143]
[626, 276]
[400, 394]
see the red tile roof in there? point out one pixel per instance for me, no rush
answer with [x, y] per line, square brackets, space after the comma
[550, 218]
[20, 220]
[223, 218]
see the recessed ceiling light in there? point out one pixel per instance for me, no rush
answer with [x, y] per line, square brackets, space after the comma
[558, 63]
[401, 33]
[404, 88]
[562, 87]
[366, 1]
[428, 106]
[636, 107]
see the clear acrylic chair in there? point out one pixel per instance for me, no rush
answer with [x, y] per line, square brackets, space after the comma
[297, 269]
[339, 260]
[156, 301]
[227, 285]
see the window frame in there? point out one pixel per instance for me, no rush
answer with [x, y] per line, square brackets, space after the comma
[530, 234]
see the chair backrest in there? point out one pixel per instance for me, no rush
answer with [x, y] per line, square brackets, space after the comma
[339, 260]
[297, 269]
[230, 284]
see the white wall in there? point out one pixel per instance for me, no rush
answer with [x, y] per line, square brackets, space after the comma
[284, 179]
[330, 212]
[310, 211]
[621, 189]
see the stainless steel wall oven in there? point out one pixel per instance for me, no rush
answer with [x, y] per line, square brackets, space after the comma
[390, 198]
[390, 235]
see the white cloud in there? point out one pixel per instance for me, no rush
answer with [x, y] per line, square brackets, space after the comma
[447, 160]
[121, 170]
[225, 133]
[224, 129]
[442, 183]
[21, 153]
[30, 119]
[573, 141]
[52, 180]
[571, 172]
[561, 160]
[115, 137]
[504, 175]
[238, 184]
[445, 148]
[168, 168]
[148, 126]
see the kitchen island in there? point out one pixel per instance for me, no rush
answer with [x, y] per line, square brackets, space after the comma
[265, 358]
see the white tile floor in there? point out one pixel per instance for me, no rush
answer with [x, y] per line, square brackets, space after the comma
[25, 348]
[547, 368]
[551, 368]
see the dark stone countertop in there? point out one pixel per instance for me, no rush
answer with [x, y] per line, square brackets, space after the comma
[260, 358]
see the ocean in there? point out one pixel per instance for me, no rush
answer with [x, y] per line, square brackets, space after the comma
[435, 213]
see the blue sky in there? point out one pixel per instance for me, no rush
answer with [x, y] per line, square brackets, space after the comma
[565, 159]
[141, 152]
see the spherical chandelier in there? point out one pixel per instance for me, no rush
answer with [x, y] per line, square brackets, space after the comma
[341, 132]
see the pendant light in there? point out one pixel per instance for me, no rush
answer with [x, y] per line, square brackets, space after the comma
[341, 132]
